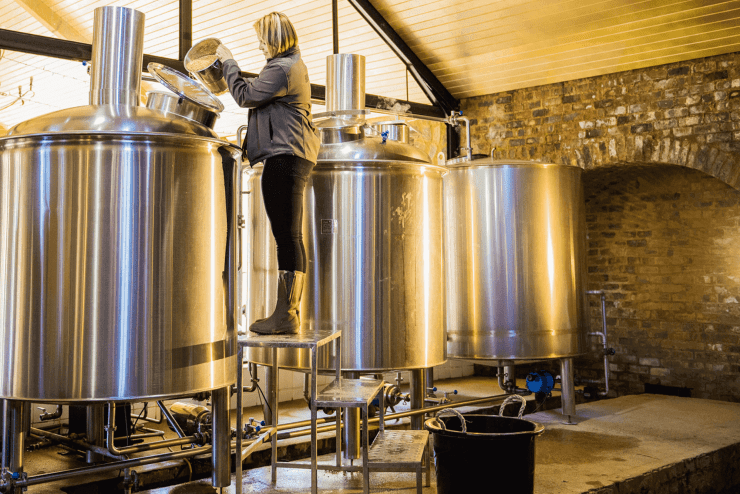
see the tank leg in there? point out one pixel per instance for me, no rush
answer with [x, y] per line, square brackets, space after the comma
[95, 421]
[14, 436]
[221, 458]
[568, 393]
[418, 394]
[351, 430]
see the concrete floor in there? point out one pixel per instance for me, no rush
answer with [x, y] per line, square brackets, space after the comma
[633, 444]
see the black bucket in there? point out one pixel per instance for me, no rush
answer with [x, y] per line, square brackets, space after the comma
[495, 452]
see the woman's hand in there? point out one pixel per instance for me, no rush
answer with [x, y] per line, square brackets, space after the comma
[224, 53]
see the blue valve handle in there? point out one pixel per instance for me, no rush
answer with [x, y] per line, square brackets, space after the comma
[257, 429]
[384, 135]
[454, 392]
[262, 423]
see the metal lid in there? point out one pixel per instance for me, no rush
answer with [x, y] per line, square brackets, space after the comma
[371, 152]
[184, 86]
[110, 119]
[489, 162]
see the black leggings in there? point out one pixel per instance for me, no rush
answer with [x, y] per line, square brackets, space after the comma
[283, 182]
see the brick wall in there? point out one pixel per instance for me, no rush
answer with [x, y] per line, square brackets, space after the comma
[664, 238]
[686, 114]
[664, 244]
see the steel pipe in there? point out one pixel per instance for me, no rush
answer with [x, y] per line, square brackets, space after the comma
[252, 373]
[146, 416]
[170, 419]
[602, 336]
[51, 416]
[56, 476]
[76, 443]
[107, 467]
[110, 429]
[391, 416]
[429, 379]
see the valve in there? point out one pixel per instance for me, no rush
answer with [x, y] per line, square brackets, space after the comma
[384, 135]
[253, 427]
[609, 351]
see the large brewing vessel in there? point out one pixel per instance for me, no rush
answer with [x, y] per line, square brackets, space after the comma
[515, 251]
[116, 267]
[373, 235]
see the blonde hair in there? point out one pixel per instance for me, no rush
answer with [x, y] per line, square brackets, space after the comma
[277, 33]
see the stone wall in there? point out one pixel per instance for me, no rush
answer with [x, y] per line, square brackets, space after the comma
[659, 147]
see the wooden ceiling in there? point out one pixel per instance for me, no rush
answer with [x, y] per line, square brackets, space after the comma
[473, 47]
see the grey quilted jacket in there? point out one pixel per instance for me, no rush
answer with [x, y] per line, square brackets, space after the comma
[279, 99]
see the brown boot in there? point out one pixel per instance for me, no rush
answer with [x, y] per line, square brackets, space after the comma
[286, 317]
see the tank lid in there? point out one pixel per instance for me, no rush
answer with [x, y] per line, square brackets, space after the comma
[369, 150]
[464, 162]
[110, 119]
[184, 86]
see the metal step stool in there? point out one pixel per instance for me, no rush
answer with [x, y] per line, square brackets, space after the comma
[401, 451]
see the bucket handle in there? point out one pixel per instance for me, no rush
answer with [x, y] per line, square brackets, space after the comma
[512, 399]
[454, 412]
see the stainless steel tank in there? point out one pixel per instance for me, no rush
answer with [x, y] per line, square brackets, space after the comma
[515, 252]
[116, 271]
[373, 234]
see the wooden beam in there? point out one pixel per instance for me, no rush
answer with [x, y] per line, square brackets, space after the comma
[427, 81]
[71, 50]
[52, 21]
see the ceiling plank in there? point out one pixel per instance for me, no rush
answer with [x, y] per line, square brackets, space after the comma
[52, 21]
[71, 50]
[435, 90]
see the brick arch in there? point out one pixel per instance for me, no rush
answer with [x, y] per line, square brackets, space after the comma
[685, 114]
[647, 149]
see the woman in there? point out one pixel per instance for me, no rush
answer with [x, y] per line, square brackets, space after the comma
[280, 134]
